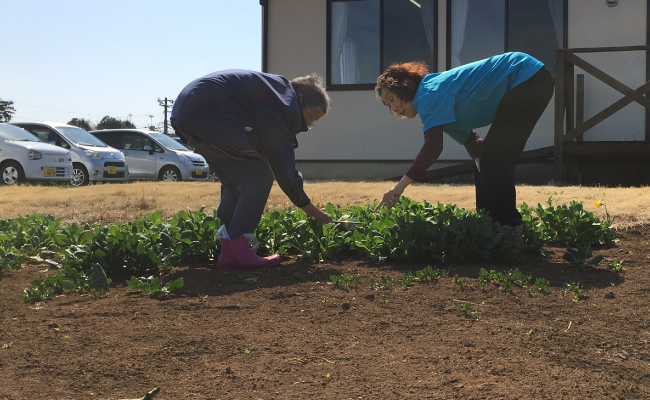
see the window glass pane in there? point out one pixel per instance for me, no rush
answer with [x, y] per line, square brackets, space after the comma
[355, 42]
[477, 30]
[110, 138]
[132, 141]
[408, 31]
[536, 28]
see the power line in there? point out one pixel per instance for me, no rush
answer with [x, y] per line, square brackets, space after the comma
[54, 109]
[31, 119]
[72, 112]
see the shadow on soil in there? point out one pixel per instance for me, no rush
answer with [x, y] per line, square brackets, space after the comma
[204, 279]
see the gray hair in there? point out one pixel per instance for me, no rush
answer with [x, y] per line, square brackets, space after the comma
[313, 91]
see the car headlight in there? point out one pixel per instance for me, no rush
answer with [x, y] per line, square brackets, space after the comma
[184, 159]
[35, 155]
[94, 154]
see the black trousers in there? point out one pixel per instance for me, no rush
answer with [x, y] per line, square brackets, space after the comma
[513, 122]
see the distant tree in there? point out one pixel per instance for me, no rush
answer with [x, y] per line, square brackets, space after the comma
[6, 110]
[81, 123]
[114, 123]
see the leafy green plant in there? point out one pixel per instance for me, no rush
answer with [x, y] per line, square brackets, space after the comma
[406, 280]
[465, 308]
[542, 284]
[579, 292]
[506, 279]
[429, 273]
[94, 284]
[153, 286]
[344, 281]
[386, 282]
[581, 258]
[9, 260]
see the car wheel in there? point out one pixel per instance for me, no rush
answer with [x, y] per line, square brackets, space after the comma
[12, 173]
[79, 175]
[169, 174]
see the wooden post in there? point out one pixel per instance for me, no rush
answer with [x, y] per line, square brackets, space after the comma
[580, 103]
[558, 137]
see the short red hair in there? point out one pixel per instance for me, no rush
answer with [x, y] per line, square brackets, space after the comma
[402, 79]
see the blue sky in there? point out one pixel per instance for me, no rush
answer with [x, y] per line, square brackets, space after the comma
[62, 59]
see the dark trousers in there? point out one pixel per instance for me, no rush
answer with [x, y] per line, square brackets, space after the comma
[515, 118]
[245, 187]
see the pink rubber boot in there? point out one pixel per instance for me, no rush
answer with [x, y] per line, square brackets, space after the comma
[236, 254]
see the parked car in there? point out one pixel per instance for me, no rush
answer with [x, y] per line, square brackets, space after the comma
[188, 145]
[93, 160]
[153, 155]
[24, 157]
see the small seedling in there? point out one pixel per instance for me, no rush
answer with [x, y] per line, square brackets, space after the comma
[578, 291]
[616, 266]
[247, 351]
[66, 336]
[6, 345]
[202, 297]
[542, 284]
[406, 280]
[386, 282]
[464, 308]
[153, 286]
[344, 281]
[529, 332]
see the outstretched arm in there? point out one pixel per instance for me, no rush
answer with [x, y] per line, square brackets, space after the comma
[428, 154]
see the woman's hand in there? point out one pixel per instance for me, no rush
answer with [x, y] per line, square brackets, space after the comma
[392, 196]
[320, 216]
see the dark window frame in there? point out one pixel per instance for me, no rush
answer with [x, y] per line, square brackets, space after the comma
[565, 29]
[369, 86]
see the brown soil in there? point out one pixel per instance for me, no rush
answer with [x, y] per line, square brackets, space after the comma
[288, 334]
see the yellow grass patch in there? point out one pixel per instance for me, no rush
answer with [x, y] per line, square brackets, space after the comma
[125, 202]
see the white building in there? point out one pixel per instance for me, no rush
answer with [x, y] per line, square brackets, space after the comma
[350, 42]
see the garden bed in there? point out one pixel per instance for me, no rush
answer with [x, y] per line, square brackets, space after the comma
[289, 333]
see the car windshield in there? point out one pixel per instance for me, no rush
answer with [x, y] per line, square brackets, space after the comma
[10, 132]
[168, 142]
[79, 136]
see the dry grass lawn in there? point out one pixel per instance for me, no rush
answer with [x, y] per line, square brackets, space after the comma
[125, 202]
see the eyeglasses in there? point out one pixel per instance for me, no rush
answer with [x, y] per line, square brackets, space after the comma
[311, 125]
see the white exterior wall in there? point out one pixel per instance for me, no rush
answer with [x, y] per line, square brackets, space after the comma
[359, 127]
[594, 24]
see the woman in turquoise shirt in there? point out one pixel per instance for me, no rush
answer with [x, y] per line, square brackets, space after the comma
[509, 91]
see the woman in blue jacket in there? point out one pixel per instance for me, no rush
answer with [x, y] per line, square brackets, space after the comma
[245, 124]
[508, 91]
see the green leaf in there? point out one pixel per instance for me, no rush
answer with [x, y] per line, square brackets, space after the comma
[61, 240]
[173, 286]
[85, 237]
[97, 280]
[99, 253]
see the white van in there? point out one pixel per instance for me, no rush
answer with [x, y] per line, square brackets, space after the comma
[24, 157]
[153, 155]
[92, 159]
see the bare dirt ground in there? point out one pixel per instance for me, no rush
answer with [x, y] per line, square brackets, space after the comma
[287, 333]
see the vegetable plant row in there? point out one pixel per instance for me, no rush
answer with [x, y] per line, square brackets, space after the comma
[410, 231]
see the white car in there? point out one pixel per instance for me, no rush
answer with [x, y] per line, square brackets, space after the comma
[92, 159]
[24, 157]
[153, 155]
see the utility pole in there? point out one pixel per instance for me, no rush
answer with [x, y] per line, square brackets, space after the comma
[151, 121]
[164, 104]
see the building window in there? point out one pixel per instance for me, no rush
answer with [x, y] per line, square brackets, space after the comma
[366, 36]
[478, 29]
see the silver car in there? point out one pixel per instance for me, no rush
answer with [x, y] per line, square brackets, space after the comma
[24, 157]
[153, 155]
[92, 159]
